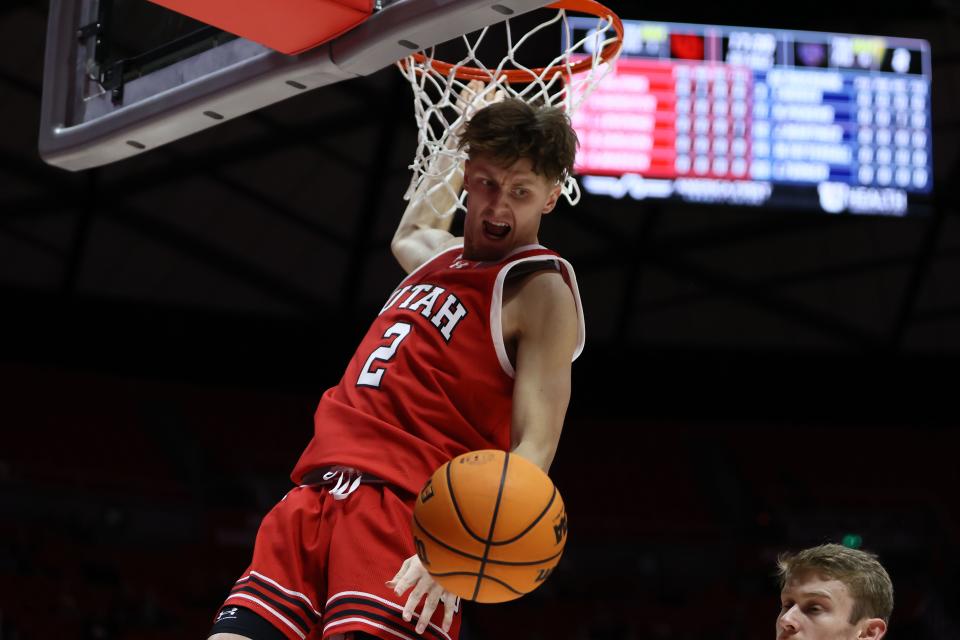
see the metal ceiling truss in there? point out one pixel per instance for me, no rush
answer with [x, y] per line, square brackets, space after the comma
[853, 268]
[29, 239]
[19, 84]
[923, 260]
[81, 233]
[167, 235]
[357, 262]
[936, 314]
[633, 275]
[85, 199]
[668, 257]
[663, 254]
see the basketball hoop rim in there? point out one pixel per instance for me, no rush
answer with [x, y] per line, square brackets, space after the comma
[520, 76]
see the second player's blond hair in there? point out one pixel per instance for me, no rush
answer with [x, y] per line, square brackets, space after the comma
[868, 582]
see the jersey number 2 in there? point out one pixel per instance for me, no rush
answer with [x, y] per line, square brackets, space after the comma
[372, 378]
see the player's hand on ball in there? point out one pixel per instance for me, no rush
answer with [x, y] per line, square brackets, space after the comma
[412, 574]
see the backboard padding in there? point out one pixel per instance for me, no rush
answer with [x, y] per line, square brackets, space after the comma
[84, 126]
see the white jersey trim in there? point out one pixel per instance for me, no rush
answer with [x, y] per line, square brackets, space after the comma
[521, 249]
[347, 594]
[273, 611]
[496, 308]
[398, 291]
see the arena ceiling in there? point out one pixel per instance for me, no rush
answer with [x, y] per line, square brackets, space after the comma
[275, 228]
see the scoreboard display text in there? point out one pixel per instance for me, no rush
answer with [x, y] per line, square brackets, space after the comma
[760, 117]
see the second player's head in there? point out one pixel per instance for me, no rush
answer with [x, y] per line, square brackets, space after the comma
[831, 592]
[519, 156]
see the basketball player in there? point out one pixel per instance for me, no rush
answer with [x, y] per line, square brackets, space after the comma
[832, 592]
[473, 350]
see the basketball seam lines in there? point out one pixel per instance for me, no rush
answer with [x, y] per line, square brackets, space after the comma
[471, 573]
[460, 552]
[532, 524]
[485, 577]
[456, 507]
[501, 582]
[493, 524]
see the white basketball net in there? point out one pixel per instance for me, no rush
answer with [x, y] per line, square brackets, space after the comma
[443, 103]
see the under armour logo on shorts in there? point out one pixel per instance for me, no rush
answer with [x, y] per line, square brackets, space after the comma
[227, 614]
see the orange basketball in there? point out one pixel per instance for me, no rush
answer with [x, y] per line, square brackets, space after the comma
[489, 526]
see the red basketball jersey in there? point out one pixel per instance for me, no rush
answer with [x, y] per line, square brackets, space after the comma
[431, 379]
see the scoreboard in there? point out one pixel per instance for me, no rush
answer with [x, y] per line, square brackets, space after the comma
[762, 117]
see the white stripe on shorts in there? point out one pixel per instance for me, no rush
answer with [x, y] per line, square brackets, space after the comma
[296, 594]
[344, 594]
[367, 622]
[271, 610]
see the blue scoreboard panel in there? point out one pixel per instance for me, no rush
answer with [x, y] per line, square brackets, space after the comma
[762, 117]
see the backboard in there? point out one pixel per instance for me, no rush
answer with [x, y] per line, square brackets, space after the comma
[104, 102]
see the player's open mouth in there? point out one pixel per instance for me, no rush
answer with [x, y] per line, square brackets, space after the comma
[496, 229]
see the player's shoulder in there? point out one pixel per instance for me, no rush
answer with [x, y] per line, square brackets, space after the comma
[541, 286]
[532, 264]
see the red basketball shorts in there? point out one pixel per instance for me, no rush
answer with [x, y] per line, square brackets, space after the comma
[320, 564]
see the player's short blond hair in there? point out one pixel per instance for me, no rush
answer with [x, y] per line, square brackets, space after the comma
[512, 129]
[861, 571]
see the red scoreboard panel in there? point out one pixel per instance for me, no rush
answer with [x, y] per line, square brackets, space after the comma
[651, 117]
[760, 117]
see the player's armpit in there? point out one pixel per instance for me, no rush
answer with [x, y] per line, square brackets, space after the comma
[543, 321]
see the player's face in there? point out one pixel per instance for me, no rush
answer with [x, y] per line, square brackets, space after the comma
[504, 206]
[814, 607]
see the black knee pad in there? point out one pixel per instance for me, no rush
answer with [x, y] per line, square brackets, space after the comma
[243, 621]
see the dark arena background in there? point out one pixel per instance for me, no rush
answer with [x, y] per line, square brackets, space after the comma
[755, 379]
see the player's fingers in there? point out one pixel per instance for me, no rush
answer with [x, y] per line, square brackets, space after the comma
[449, 608]
[423, 585]
[405, 582]
[429, 606]
[469, 94]
[392, 582]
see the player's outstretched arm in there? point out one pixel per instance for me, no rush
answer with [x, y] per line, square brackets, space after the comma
[423, 232]
[543, 322]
